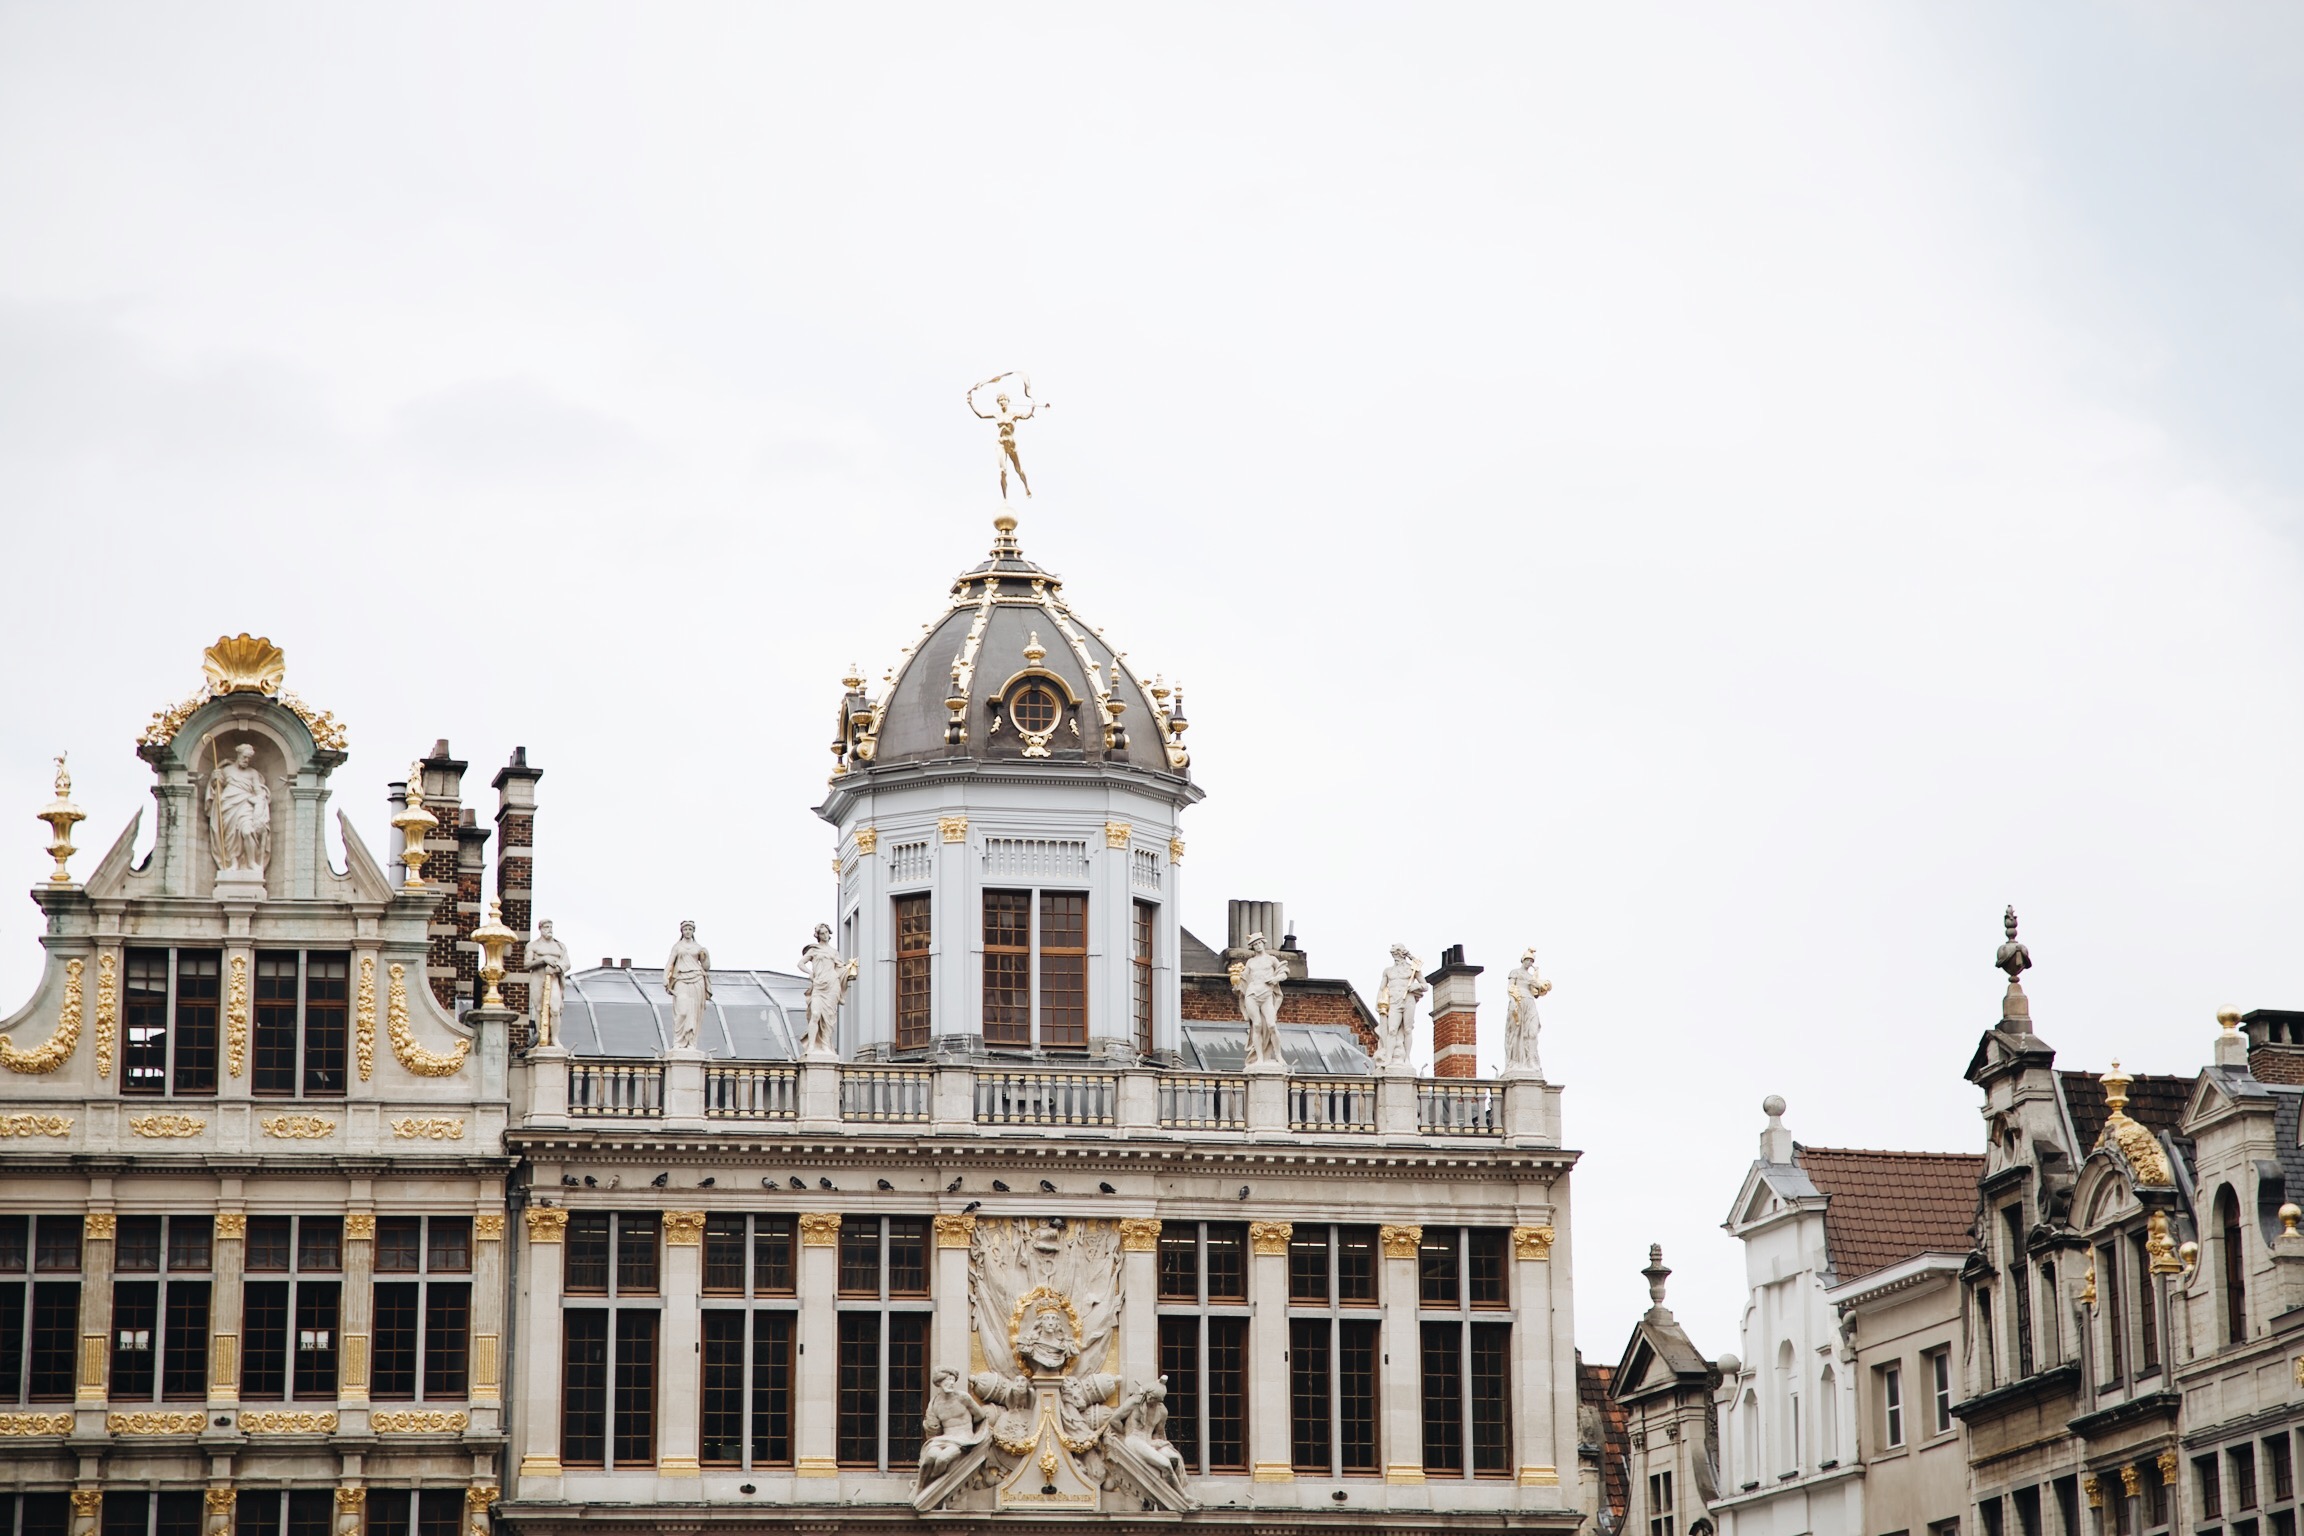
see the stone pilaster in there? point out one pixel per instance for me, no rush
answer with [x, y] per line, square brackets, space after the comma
[536, 1411]
[948, 1332]
[90, 1391]
[679, 1426]
[1402, 1387]
[1140, 1276]
[355, 1320]
[230, 1263]
[1270, 1454]
[487, 1390]
[814, 1412]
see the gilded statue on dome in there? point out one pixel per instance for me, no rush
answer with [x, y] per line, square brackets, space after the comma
[1004, 415]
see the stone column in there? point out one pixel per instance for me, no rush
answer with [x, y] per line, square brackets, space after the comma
[230, 1265]
[90, 1392]
[537, 1415]
[354, 1320]
[816, 1411]
[1140, 1284]
[488, 1299]
[1270, 1456]
[678, 1428]
[1111, 944]
[1543, 1357]
[948, 1333]
[1402, 1389]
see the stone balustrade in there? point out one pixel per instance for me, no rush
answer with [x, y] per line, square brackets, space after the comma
[1094, 1099]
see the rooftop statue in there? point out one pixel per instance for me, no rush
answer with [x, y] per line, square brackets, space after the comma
[1397, 994]
[239, 814]
[548, 970]
[688, 977]
[1522, 986]
[1005, 416]
[828, 978]
[1259, 980]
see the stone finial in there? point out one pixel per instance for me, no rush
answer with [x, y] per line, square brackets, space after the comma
[1775, 1139]
[2231, 1045]
[1657, 1274]
[2015, 959]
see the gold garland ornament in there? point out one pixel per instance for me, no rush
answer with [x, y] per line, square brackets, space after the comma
[35, 1125]
[364, 1040]
[167, 1125]
[298, 1127]
[107, 1008]
[236, 1016]
[58, 1047]
[414, 1057]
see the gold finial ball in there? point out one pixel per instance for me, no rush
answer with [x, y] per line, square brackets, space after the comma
[2290, 1214]
[1004, 523]
[2189, 1253]
[2228, 1017]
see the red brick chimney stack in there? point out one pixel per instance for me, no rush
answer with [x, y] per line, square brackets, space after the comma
[1455, 1015]
[443, 789]
[515, 867]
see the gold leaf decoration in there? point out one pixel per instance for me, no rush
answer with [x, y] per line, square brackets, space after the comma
[1139, 1234]
[298, 1127]
[434, 1128]
[417, 1423]
[16, 1425]
[158, 1126]
[107, 1008]
[414, 1057]
[364, 1038]
[1532, 1243]
[488, 1227]
[35, 1125]
[1400, 1242]
[819, 1229]
[1270, 1236]
[236, 1016]
[57, 1049]
[244, 663]
[270, 1423]
[155, 1423]
[327, 731]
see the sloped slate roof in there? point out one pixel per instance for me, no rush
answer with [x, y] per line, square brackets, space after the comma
[2155, 1100]
[1887, 1207]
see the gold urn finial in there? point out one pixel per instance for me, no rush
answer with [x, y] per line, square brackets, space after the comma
[1034, 651]
[415, 823]
[2290, 1214]
[2229, 1018]
[244, 663]
[2116, 1090]
[493, 938]
[62, 816]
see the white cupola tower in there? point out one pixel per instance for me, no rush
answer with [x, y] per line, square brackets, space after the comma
[1009, 842]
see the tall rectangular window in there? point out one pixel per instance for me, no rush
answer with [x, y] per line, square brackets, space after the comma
[2209, 1486]
[1008, 969]
[2115, 1314]
[1443, 1397]
[1063, 970]
[169, 1021]
[1333, 1357]
[747, 1355]
[144, 1022]
[1940, 1391]
[609, 1364]
[1203, 1332]
[1892, 1405]
[2147, 1308]
[915, 934]
[882, 1370]
[1143, 927]
[1466, 1362]
[1660, 1512]
[272, 1043]
[160, 1325]
[2020, 1289]
[423, 1313]
[199, 991]
[327, 1000]
[289, 1311]
[298, 1041]
[39, 1318]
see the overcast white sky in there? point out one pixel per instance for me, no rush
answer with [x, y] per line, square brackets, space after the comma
[1732, 496]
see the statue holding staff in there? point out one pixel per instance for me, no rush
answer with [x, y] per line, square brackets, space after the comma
[239, 813]
[1004, 416]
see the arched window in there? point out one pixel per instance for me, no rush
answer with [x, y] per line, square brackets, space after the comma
[1827, 1417]
[2234, 1259]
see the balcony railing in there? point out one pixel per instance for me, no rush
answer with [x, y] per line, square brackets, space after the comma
[751, 1093]
[1203, 1103]
[1331, 1104]
[886, 1094]
[1459, 1109]
[1045, 1098]
[622, 1089]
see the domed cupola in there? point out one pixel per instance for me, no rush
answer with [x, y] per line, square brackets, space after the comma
[1011, 675]
[1009, 843]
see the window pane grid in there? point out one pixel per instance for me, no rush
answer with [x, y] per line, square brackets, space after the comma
[914, 936]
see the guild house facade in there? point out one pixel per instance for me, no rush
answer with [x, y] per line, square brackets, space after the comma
[341, 1201]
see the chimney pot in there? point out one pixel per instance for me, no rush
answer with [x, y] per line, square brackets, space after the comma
[607, 962]
[624, 964]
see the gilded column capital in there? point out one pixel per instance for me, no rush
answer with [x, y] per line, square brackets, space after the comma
[479, 1498]
[349, 1499]
[99, 1227]
[546, 1223]
[819, 1229]
[1532, 1243]
[360, 1226]
[1400, 1242]
[683, 1229]
[957, 1231]
[2168, 1468]
[867, 839]
[1175, 850]
[88, 1501]
[221, 1500]
[1117, 834]
[488, 1228]
[2131, 1480]
[954, 829]
[231, 1224]
[1139, 1234]
[2094, 1490]
[1270, 1237]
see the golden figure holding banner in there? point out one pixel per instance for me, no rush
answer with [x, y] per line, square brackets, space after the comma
[1005, 416]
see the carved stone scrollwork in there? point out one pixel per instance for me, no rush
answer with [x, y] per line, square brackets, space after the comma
[236, 1017]
[546, 1223]
[1532, 1243]
[272, 1423]
[418, 1423]
[1400, 1242]
[364, 1019]
[819, 1229]
[155, 1423]
[15, 1426]
[1139, 1234]
[429, 1128]
[1117, 834]
[57, 1049]
[107, 1008]
[1271, 1237]
[412, 1056]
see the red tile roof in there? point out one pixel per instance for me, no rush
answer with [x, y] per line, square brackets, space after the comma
[1615, 1433]
[1887, 1207]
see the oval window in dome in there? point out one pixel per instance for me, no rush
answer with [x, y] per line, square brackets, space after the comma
[1034, 710]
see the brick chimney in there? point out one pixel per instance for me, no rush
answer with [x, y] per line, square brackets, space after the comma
[446, 955]
[1455, 1016]
[515, 786]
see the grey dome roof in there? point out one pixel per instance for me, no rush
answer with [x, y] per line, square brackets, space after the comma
[1008, 630]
